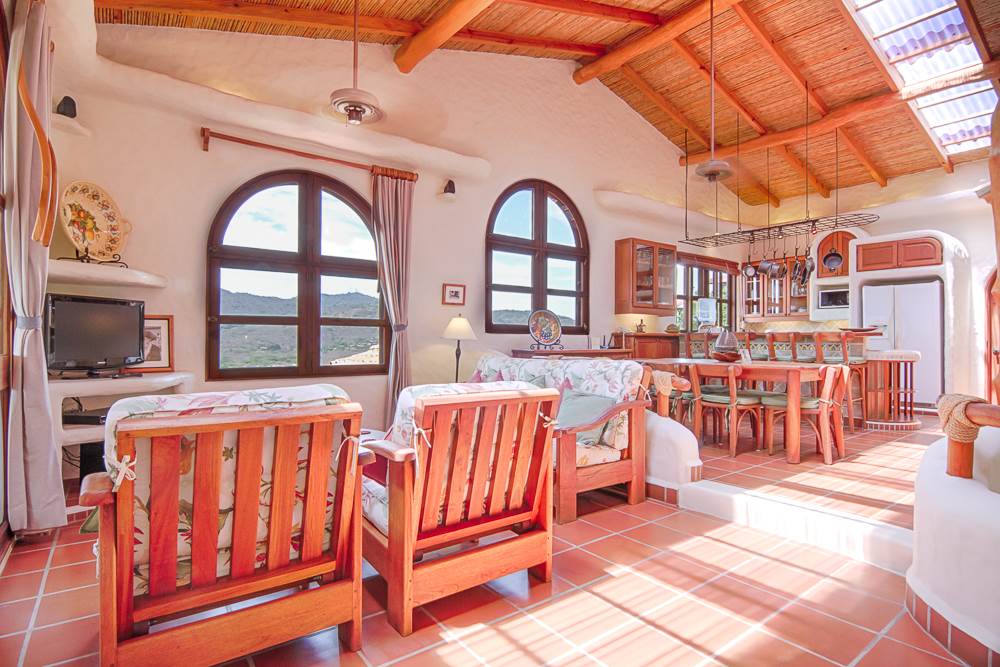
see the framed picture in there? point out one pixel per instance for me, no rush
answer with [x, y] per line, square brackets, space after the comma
[452, 295]
[157, 345]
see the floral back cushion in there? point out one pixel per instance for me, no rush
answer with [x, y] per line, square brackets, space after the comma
[214, 403]
[616, 379]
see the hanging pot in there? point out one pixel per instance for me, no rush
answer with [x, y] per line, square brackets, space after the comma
[833, 259]
[807, 270]
[774, 267]
[799, 266]
[749, 270]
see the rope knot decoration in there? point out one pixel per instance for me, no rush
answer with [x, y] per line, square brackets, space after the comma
[954, 422]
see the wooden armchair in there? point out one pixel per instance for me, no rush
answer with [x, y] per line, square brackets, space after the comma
[477, 464]
[204, 553]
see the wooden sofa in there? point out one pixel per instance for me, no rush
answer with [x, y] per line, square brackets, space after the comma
[216, 498]
[620, 457]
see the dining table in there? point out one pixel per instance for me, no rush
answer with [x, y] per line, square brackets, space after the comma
[792, 373]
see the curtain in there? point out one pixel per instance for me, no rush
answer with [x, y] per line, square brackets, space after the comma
[392, 206]
[34, 480]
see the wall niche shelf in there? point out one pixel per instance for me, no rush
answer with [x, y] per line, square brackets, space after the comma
[66, 271]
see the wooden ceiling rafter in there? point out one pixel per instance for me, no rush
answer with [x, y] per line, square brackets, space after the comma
[669, 30]
[592, 9]
[779, 56]
[320, 20]
[668, 108]
[891, 78]
[449, 21]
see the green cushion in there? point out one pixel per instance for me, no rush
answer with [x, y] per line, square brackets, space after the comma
[742, 398]
[760, 392]
[781, 401]
[577, 408]
[714, 389]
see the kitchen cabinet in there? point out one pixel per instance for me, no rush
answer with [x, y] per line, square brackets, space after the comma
[902, 254]
[645, 278]
[841, 242]
[651, 345]
[767, 298]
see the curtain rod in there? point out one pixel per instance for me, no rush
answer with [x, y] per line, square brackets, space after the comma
[207, 134]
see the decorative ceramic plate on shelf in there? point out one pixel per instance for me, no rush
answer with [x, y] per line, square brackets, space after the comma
[92, 221]
[544, 327]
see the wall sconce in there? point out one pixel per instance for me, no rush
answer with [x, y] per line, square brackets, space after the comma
[448, 194]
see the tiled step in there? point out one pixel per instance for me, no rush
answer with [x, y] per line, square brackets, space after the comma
[881, 544]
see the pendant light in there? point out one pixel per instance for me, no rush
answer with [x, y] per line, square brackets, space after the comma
[713, 170]
[353, 104]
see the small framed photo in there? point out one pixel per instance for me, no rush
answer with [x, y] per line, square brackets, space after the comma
[157, 345]
[452, 294]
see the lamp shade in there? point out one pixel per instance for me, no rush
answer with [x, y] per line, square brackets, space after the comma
[459, 329]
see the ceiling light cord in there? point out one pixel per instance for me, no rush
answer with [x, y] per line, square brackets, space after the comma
[686, 235]
[805, 171]
[355, 43]
[739, 165]
[711, 48]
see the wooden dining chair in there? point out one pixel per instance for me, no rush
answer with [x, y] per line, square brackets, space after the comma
[782, 346]
[731, 406]
[477, 465]
[857, 368]
[821, 412]
[696, 345]
[221, 507]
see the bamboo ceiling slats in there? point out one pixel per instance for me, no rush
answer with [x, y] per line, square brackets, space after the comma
[816, 37]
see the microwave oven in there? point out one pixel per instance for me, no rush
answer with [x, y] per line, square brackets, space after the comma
[834, 297]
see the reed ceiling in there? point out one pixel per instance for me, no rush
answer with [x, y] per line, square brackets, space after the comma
[816, 38]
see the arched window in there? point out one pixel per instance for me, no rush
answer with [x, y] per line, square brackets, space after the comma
[537, 256]
[293, 283]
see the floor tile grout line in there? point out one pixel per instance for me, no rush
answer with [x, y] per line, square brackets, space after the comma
[68, 660]
[38, 600]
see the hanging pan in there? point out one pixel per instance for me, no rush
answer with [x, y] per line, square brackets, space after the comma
[833, 259]
[749, 270]
[799, 266]
[783, 266]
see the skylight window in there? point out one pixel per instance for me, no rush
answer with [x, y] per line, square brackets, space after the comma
[923, 39]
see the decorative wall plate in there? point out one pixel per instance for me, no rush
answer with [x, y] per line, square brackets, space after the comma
[92, 221]
[544, 327]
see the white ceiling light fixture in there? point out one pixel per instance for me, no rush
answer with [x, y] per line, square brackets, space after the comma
[353, 104]
[713, 170]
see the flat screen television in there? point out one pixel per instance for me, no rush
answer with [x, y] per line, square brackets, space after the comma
[91, 334]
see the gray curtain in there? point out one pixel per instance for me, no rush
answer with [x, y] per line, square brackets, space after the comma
[392, 206]
[34, 480]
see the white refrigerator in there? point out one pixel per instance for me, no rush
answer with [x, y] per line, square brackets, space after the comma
[911, 317]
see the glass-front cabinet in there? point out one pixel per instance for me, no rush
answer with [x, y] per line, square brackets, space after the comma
[645, 277]
[766, 297]
[753, 296]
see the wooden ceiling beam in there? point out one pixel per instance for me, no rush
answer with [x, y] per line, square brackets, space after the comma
[669, 30]
[800, 167]
[592, 9]
[315, 19]
[449, 21]
[675, 114]
[764, 38]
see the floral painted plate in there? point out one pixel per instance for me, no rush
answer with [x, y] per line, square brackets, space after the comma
[92, 221]
[544, 327]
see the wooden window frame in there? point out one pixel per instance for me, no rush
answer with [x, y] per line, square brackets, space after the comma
[540, 251]
[691, 263]
[310, 265]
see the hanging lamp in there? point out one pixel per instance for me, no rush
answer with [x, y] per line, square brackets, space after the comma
[354, 105]
[713, 170]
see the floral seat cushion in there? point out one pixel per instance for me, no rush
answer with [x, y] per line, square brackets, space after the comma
[214, 403]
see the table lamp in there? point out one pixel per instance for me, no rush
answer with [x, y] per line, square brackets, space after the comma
[458, 329]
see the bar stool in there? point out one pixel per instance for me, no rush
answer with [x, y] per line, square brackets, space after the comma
[821, 413]
[857, 367]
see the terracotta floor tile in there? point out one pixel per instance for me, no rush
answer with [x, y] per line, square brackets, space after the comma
[631, 593]
[731, 596]
[579, 567]
[73, 553]
[657, 536]
[10, 649]
[19, 586]
[642, 646]
[26, 561]
[675, 572]
[381, 643]
[760, 649]
[889, 652]
[70, 576]
[62, 642]
[711, 472]
[692, 523]
[732, 464]
[897, 515]
[712, 553]
[907, 631]
[516, 640]
[322, 648]
[560, 545]
[15, 616]
[93, 660]
[620, 550]
[71, 535]
[747, 481]
[580, 616]
[649, 510]
[469, 608]
[696, 625]
[871, 579]
[807, 558]
[852, 605]
[67, 605]
[442, 655]
[34, 542]
[373, 594]
[838, 641]
[523, 590]
[579, 532]
[775, 577]
[613, 520]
